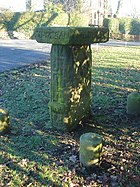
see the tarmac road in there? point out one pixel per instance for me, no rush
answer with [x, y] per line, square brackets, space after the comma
[18, 53]
[117, 43]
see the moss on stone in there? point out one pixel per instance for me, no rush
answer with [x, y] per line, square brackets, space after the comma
[70, 71]
[71, 35]
[70, 85]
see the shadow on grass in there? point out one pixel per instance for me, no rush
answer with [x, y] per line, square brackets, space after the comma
[35, 154]
[111, 87]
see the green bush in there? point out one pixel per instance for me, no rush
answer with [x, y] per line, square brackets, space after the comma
[112, 24]
[79, 19]
[135, 27]
[106, 22]
[123, 25]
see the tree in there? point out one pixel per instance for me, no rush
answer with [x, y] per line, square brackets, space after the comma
[119, 6]
[29, 5]
[135, 12]
[68, 6]
[107, 8]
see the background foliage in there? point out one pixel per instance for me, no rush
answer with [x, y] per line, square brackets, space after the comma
[53, 14]
[123, 25]
[26, 22]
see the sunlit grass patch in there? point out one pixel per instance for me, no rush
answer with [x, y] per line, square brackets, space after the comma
[116, 72]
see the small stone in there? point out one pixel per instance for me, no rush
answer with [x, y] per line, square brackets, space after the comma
[4, 121]
[90, 149]
[113, 178]
[133, 104]
[73, 158]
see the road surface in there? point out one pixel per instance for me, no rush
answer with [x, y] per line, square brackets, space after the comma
[117, 43]
[18, 53]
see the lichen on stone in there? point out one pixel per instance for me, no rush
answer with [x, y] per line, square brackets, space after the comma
[71, 35]
[70, 85]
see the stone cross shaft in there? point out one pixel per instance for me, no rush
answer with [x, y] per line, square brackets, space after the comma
[71, 60]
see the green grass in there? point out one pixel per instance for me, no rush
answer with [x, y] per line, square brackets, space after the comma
[34, 154]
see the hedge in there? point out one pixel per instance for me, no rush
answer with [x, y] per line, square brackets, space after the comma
[123, 25]
[112, 24]
[26, 22]
[135, 27]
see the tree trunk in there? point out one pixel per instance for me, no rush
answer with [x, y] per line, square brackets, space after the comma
[120, 2]
[69, 17]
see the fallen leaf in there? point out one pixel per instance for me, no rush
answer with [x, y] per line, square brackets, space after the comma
[72, 158]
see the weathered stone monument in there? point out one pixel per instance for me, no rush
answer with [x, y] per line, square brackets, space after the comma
[71, 60]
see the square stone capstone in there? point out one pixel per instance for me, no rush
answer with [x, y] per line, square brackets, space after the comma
[71, 35]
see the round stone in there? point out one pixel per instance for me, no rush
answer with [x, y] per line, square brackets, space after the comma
[4, 121]
[90, 149]
[133, 103]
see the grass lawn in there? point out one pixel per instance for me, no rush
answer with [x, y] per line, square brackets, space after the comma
[35, 155]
